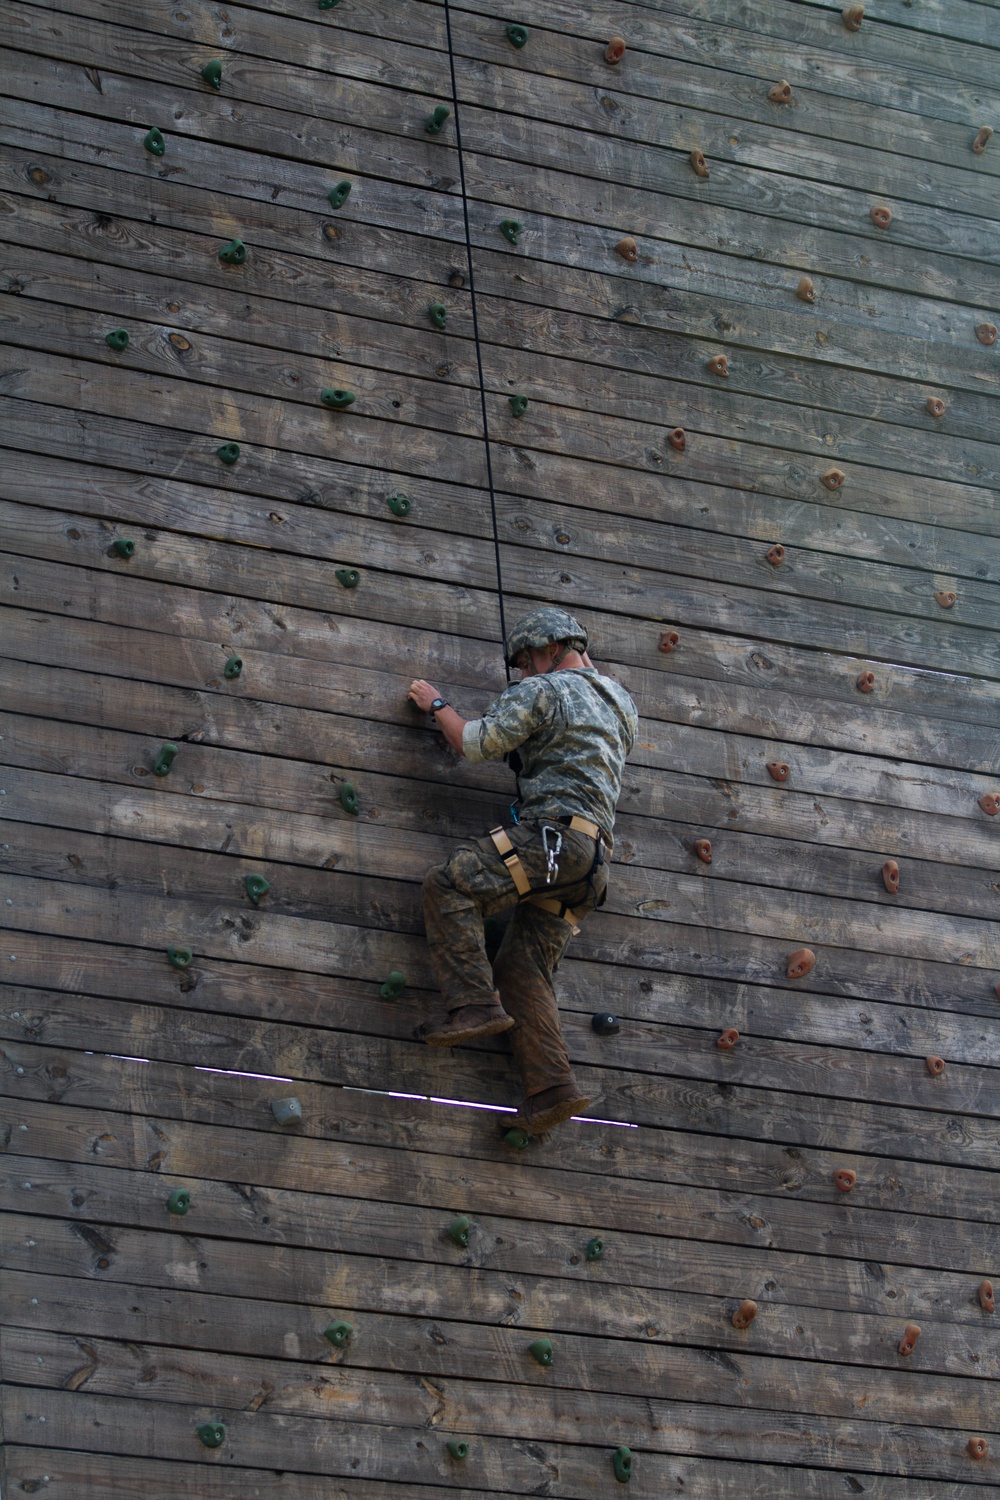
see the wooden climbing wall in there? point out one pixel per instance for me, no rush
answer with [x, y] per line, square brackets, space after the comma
[128, 1327]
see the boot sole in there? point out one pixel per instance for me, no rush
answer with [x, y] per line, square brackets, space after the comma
[470, 1034]
[556, 1114]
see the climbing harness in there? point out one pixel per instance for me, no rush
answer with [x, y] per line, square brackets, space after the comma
[475, 332]
[519, 875]
[551, 853]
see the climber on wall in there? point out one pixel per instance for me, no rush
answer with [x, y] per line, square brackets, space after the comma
[572, 729]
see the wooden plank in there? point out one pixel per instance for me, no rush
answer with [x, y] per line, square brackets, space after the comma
[514, 127]
[137, 1426]
[915, 338]
[257, 1151]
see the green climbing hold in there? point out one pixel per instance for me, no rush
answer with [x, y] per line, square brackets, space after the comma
[212, 1434]
[621, 1461]
[510, 229]
[517, 35]
[179, 1202]
[393, 987]
[338, 1334]
[233, 254]
[458, 1232]
[518, 405]
[287, 1111]
[164, 760]
[458, 1449]
[349, 577]
[435, 120]
[542, 1350]
[339, 195]
[181, 958]
[439, 314]
[123, 547]
[349, 799]
[117, 339]
[154, 142]
[400, 505]
[516, 1138]
[212, 73]
[334, 396]
[255, 887]
[228, 453]
[233, 667]
[328, 4]
[595, 1248]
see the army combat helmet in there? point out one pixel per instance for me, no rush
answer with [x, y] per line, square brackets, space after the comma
[542, 628]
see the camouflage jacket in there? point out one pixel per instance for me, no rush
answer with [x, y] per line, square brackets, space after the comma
[573, 730]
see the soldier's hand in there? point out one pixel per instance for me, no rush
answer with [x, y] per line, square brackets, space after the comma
[423, 693]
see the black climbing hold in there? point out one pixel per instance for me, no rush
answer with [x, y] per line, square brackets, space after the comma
[123, 547]
[458, 1449]
[510, 229]
[349, 577]
[233, 254]
[255, 887]
[605, 1024]
[180, 958]
[542, 1351]
[212, 73]
[459, 1232]
[434, 123]
[393, 987]
[233, 667]
[164, 760]
[287, 1111]
[338, 1334]
[117, 339]
[339, 195]
[349, 798]
[179, 1202]
[212, 1434]
[516, 1138]
[400, 505]
[438, 314]
[154, 142]
[621, 1461]
[517, 35]
[334, 396]
[595, 1248]
[228, 453]
[518, 405]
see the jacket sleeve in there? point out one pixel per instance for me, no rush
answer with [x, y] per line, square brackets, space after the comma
[516, 715]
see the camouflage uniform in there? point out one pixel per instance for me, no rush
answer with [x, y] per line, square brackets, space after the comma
[573, 730]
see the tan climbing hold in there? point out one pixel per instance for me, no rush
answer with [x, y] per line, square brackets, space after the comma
[744, 1314]
[845, 1178]
[703, 849]
[669, 640]
[833, 478]
[615, 50]
[777, 770]
[805, 291]
[983, 135]
[890, 877]
[728, 1039]
[935, 1066]
[986, 333]
[881, 216]
[780, 93]
[945, 597]
[908, 1342]
[699, 163]
[990, 803]
[865, 682]
[987, 1300]
[719, 364]
[800, 963]
[936, 406]
[776, 556]
[852, 16]
[677, 439]
[627, 249]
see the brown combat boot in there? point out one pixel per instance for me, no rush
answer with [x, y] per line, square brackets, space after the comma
[541, 1112]
[468, 1024]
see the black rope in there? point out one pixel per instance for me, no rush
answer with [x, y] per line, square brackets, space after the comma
[475, 334]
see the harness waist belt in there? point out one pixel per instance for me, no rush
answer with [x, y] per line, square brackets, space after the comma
[584, 825]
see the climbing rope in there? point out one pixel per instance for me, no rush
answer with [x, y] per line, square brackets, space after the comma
[475, 334]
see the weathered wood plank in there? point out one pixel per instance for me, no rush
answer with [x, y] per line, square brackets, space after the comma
[514, 127]
[261, 1439]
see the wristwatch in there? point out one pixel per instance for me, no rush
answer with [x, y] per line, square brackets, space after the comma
[438, 703]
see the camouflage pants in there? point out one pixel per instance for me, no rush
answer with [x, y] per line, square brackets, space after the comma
[474, 885]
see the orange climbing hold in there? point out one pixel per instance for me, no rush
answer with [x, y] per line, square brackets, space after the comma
[845, 1178]
[987, 1300]
[977, 1447]
[776, 556]
[744, 1314]
[908, 1342]
[881, 216]
[703, 849]
[668, 641]
[852, 16]
[677, 439]
[945, 597]
[627, 249]
[780, 93]
[699, 163]
[800, 963]
[615, 50]
[865, 682]
[777, 770]
[728, 1039]
[805, 290]
[935, 1066]
[718, 364]
[990, 803]
[890, 877]
[833, 478]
